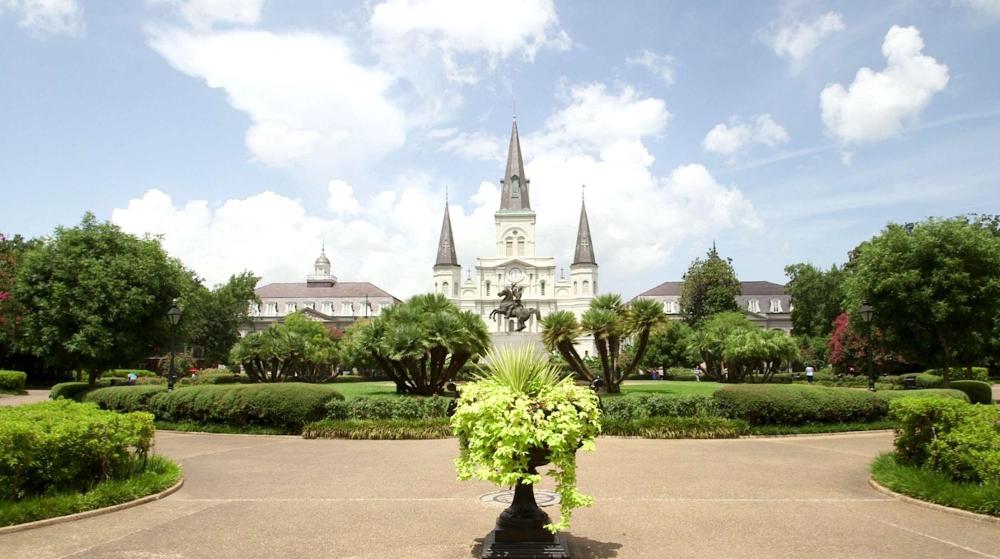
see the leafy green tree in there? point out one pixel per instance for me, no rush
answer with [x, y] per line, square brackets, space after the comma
[817, 298]
[934, 287]
[670, 346]
[420, 344]
[610, 321]
[710, 287]
[12, 251]
[710, 340]
[212, 317]
[297, 348]
[754, 354]
[95, 298]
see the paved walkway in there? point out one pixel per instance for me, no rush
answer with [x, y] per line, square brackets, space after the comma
[277, 497]
[30, 398]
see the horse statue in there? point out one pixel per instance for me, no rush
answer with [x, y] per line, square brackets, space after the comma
[510, 306]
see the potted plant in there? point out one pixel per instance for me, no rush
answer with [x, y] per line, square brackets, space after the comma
[518, 415]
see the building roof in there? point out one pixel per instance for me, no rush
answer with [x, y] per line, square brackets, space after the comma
[673, 289]
[341, 289]
[511, 198]
[446, 244]
[584, 253]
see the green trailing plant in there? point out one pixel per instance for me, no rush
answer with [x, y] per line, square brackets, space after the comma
[520, 406]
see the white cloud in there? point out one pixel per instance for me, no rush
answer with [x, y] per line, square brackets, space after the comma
[796, 40]
[475, 145]
[341, 200]
[310, 104]
[660, 65]
[988, 8]
[877, 104]
[205, 14]
[737, 136]
[47, 17]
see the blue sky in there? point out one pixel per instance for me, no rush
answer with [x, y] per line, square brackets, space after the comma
[248, 132]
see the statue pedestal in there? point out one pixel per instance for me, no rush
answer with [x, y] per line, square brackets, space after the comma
[515, 339]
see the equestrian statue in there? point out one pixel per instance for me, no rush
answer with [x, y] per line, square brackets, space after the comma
[510, 306]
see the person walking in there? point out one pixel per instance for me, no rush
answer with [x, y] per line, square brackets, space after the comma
[809, 374]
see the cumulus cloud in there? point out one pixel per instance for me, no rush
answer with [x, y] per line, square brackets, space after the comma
[47, 17]
[878, 104]
[738, 136]
[204, 14]
[311, 105]
[797, 39]
[659, 65]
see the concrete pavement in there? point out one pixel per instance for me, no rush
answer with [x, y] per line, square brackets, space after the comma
[274, 497]
[31, 397]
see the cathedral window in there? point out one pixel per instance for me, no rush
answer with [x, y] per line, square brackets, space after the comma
[541, 286]
[510, 247]
[520, 246]
[487, 288]
[586, 287]
[454, 290]
[444, 288]
[575, 290]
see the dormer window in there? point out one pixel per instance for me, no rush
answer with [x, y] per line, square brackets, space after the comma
[753, 305]
[775, 306]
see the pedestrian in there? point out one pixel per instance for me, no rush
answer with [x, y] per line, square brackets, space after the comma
[809, 374]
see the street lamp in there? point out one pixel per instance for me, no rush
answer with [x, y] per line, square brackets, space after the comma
[867, 312]
[174, 314]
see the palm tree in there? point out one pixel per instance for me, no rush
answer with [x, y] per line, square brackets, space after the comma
[560, 330]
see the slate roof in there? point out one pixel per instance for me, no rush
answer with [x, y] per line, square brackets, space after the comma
[673, 289]
[341, 289]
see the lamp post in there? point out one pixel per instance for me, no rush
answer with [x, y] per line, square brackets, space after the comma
[174, 314]
[867, 312]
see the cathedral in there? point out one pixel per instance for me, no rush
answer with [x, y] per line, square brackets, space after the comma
[514, 262]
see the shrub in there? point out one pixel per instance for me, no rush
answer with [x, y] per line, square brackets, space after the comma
[123, 398]
[936, 487]
[643, 406]
[979, 392]
[796, 404]
[214, 376]
[925, 380]
[679, 373]
[891, 395]
[71, 390]
[949, 436]
[65, 445]
[123, 373]
[675, 427]
[289, 405]
[388, 429]
[12, 381]
[957, 373]
[388, 407]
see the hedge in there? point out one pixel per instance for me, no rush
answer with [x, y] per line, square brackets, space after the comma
[642, 406]
[12, 381]
[891, 395]
[961, 373]
[124, 373]
[768, 404]
[979, 392]
[379, 429]
[123, 398]
[925, 380]
[388, 407]
[676, 428]
[67, 446]
[213, 376]
[285, 405]
[71, 390]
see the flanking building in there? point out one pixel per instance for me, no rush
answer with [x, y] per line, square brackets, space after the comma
[766, 304]
[321, 297]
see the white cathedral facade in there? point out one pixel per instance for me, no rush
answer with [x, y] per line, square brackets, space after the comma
[514, 260]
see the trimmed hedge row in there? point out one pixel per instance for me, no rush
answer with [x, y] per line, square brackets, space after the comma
[379, 429]
[643, 406]
[67, 446]
[388, 407]
[760, 404]
[12, 381]
[979, 392]
[71, 390]
[123, 373]
[284, 405]
[705, 427]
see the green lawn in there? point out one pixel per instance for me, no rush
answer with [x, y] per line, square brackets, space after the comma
[675, 387]
[355, 389]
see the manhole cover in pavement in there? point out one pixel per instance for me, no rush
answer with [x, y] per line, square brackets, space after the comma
[506, 497]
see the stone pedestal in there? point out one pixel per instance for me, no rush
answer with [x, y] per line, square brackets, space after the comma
[515, 339]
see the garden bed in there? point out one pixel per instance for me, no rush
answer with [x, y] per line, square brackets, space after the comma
[935, 487]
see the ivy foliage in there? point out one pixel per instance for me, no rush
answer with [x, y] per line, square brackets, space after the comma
[518, 406]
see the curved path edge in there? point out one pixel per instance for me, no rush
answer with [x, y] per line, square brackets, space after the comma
[934, 506]
[95, 512]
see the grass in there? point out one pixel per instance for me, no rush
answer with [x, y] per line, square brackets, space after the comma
[675, 387]
[379, 429]
[222, 428]
[810, 428]
[356, 389]
[160, 474]
[935, 487]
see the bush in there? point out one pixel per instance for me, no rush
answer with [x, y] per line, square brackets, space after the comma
[680, 373]
[123, 373]
[12, 381]
[388, 407]
[949, 436]
[935, 487]
[67, 446]
[890, 395]
[71, 390]
[979, 392]
[388, 429]
[961, 373]
[123, 398]
[675, 428]
[286, 405]
[644, 406]
[925, 380]
[764, 404]
[214, 376]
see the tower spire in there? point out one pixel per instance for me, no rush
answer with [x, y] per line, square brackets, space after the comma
[514, 190]
[446, 245]
[584, 253]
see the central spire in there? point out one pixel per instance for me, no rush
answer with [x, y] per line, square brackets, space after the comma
[514, 190]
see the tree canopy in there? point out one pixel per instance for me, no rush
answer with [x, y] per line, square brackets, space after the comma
[934, 287]
[212, 317]
[817, 298]
[296, 348]
[710, 287]
[670, 346]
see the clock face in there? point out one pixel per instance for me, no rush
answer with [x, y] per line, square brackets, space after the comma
[515, 274]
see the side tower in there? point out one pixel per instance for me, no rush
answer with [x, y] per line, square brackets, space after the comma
[515, 220]
[583, 270]
[447, 272]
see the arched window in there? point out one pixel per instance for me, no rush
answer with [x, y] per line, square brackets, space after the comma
[541, 286]
[487, 288]
[520, 246]
[575, 290]
[586, 287]
[444, 288]
[510, 247]
[454, 290]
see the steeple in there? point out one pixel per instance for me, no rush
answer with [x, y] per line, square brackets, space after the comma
[514, 190]
[584, 247]
[446, 245]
